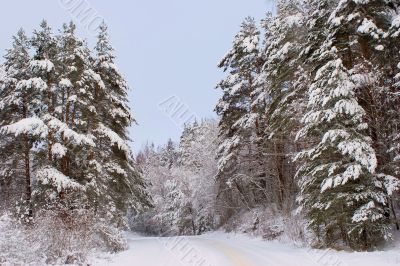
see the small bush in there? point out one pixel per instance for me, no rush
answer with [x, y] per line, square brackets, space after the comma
[56, 237]
[270, 224]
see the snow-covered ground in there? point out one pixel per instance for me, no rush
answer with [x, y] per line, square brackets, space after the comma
[220, 249]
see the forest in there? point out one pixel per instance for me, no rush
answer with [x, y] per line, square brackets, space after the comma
[305, 150]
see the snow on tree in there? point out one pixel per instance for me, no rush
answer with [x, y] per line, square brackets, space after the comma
[326, 71]
[345, 52]
[176, 210]
[64, 119]
[359, 30]
[373, 55]
[392, 99]
[64, 141]
[182, 182]
[394, 37]
[156, 166]
[238, 122]
[283, 83]
[197, 150]
[2, 73]
[120, 176]
[43, 67]
[347, 62]
[339, 173]
[169, 155]
[19, 101]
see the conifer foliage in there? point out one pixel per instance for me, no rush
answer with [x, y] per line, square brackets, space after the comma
[321, 90]
[307, 137]
[64, 117]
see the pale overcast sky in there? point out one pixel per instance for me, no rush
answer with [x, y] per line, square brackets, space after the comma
[167, 50]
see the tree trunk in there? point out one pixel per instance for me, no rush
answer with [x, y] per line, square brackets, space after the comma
[50, 102]
[394, 215]
[28, 185]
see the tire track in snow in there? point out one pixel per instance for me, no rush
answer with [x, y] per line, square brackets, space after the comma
[236, 256]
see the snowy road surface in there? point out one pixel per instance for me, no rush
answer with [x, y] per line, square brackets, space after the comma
[220, 249]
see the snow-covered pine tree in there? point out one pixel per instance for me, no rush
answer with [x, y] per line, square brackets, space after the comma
[197, 143]
[186, 140]
[57, 128]
[43, 66]
[176, 211]
[340, 190]
[360, 30]
[156, 173]
[124, 184]
[169, 154]
[284, 86]
[285, 37]
[394, 37]
[58, 186]
[370, 55]
[345, 54]
[20, 130]
[393, 101]
[56, 153]
[237, 122]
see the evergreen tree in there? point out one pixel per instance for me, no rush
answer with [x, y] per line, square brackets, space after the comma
[125, 187]
[43, 66]
[393, 102]
[237, 122]
[284, 85]
[61, 63]
[350, 82]
[169, 154]
[17, 100]
[393, 95]
[340, 190]
[64, 119]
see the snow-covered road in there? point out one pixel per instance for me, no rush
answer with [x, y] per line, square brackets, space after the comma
[220, 249]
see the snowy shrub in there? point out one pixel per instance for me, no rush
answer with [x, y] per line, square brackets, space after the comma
[296, 231]
[270, 224]
[63, 237]
[56, 237]
[112, 238]
[15, 249]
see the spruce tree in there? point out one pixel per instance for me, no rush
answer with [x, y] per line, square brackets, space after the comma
[342, 171]
[340, 190]
[120, 176]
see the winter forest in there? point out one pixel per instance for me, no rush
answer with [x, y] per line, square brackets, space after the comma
[305, 152]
